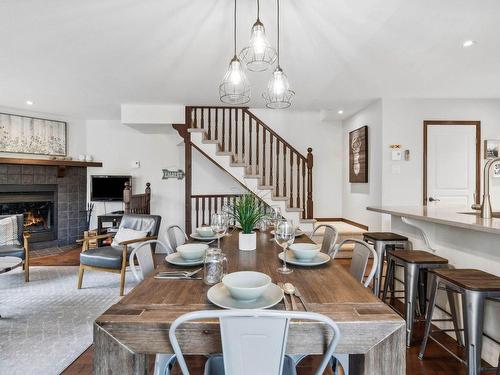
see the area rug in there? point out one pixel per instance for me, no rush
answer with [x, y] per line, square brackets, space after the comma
[47, 323]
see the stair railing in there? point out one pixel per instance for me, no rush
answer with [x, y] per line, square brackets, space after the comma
[264, 153]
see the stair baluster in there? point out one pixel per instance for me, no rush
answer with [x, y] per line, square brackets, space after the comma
[291, 179]
[271, 160]
[284, 170]
[264, 161]
[257, 149]
[236, 138]
[277, 188]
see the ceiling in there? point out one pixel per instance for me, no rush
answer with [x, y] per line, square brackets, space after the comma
[85, 58]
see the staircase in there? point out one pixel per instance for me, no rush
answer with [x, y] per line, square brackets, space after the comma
[256, 156]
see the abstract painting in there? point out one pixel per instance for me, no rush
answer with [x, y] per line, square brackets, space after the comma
[30, 135]
[358, 155]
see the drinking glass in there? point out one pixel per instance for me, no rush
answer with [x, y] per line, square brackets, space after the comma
[214, 267]
[219, 225]
[274, 218]
[284, 234]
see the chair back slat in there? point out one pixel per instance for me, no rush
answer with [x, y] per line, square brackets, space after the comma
[244, 339]
[330, 238]
[175, 237]
[144, 255]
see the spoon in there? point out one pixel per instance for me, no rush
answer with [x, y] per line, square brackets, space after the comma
[290, 290]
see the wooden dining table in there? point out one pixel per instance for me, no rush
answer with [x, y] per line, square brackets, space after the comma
[371, 333]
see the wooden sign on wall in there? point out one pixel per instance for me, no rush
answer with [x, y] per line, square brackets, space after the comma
[358, 155]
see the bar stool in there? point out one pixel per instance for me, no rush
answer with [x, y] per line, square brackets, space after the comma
[474, 286]
[415, 263]
[380, 240]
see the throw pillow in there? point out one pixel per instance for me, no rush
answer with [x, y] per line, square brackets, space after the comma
[8, 231]
[126, 234]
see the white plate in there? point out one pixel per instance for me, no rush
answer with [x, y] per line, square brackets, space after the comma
[219, 296]
[196, 236]
[175, 258]
[298, 233]
[321, 258]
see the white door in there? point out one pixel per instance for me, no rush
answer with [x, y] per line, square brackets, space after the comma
[451, 164]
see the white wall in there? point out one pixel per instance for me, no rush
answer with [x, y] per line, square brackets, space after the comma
[357, 196]
[117, 145]
[403, 124]
[303, 129]
[76, 139]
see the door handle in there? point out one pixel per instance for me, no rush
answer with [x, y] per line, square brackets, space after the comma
[431, 199]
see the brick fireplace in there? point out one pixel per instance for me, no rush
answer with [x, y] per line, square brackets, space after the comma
[53, 207]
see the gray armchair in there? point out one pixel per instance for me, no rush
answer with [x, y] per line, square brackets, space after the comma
[115, 258]
[21, 250]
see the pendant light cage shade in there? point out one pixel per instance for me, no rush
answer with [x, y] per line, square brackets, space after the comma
[278, 94]
[235, 88]
[259, 55]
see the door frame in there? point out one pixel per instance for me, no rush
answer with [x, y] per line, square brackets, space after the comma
[477, 124]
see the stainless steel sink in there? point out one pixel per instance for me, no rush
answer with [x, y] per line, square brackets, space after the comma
[478, 213]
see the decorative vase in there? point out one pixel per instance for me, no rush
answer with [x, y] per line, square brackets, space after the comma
[247, 242]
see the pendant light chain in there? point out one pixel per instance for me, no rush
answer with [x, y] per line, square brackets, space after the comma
[278, 23]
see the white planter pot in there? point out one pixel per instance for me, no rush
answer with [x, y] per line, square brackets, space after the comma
[247, 242]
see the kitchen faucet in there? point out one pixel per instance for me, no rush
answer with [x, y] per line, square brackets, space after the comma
[485, 207]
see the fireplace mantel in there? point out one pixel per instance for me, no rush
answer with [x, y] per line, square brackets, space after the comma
[60, 164]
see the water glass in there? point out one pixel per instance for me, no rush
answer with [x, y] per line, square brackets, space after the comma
[284, 235]
[215, 266]
[219, 225]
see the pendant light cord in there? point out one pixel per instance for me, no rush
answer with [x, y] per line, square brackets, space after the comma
[278, 23]
[235, 28]
[258, 10]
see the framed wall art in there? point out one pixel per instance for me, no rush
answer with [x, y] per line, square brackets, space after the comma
[358, 155]
[491, 148]
[30, 135]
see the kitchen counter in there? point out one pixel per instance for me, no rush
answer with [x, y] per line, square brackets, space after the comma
[454, 216]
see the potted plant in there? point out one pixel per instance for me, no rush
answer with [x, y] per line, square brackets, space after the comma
[248, 212]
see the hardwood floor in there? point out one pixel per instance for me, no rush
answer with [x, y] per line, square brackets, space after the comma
[436, 362]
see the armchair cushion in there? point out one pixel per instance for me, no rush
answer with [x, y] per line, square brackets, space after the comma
[103, 257]
[20, 225]
[12, 251]
[126, 234]
[9, 231]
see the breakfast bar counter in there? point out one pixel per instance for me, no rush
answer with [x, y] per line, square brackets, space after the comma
[138, 325]
[458, 234]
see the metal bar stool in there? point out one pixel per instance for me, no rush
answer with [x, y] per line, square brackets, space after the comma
[380, 240]
[474, 286]
[415, 263]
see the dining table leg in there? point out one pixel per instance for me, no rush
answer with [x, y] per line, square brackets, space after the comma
[112, 357]
[387, 357]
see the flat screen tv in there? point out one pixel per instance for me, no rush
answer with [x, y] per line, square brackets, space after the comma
[108, 188]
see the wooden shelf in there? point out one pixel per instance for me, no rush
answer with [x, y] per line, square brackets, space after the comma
[60, 164]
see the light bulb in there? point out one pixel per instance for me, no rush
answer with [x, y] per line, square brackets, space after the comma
[235, 72]
[258, 40]
[279, 83]
[259, 55]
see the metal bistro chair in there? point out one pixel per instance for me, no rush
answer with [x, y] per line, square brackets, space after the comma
[330, 237]
[172, 237]
[144, 256]
[360, 255]
[260, 334]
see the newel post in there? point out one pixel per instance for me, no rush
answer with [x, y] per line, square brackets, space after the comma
[310, 160]
[127, 194]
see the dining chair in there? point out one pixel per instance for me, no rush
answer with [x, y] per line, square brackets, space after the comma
[253, 341]
[19, 248]
[360, 255]
[172, 237]
[330, 237]
[144, 256]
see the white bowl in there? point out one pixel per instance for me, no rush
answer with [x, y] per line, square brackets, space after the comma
[246, 285]
[192, 251]
[305, 251]
[205, 231]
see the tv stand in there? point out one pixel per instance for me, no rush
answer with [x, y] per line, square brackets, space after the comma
[121, 212]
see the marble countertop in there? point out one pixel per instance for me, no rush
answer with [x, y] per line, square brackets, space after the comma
[455, 216]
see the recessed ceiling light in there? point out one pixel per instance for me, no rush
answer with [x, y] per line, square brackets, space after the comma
[340, 111]
[29, 102]
[468, 43]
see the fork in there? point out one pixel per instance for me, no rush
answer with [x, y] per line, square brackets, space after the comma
[298, 294]
[179, 273]
[287, 305]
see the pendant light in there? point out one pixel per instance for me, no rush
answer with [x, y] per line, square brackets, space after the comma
[278, 94]
[259, 55]
[235, 88]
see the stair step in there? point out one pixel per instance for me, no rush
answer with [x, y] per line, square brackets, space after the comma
[223, 153]
[265, 187]
[294, 209]
[238, 164]
[254, 176]
[196, 130]
[278, 198]
[210, 141]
